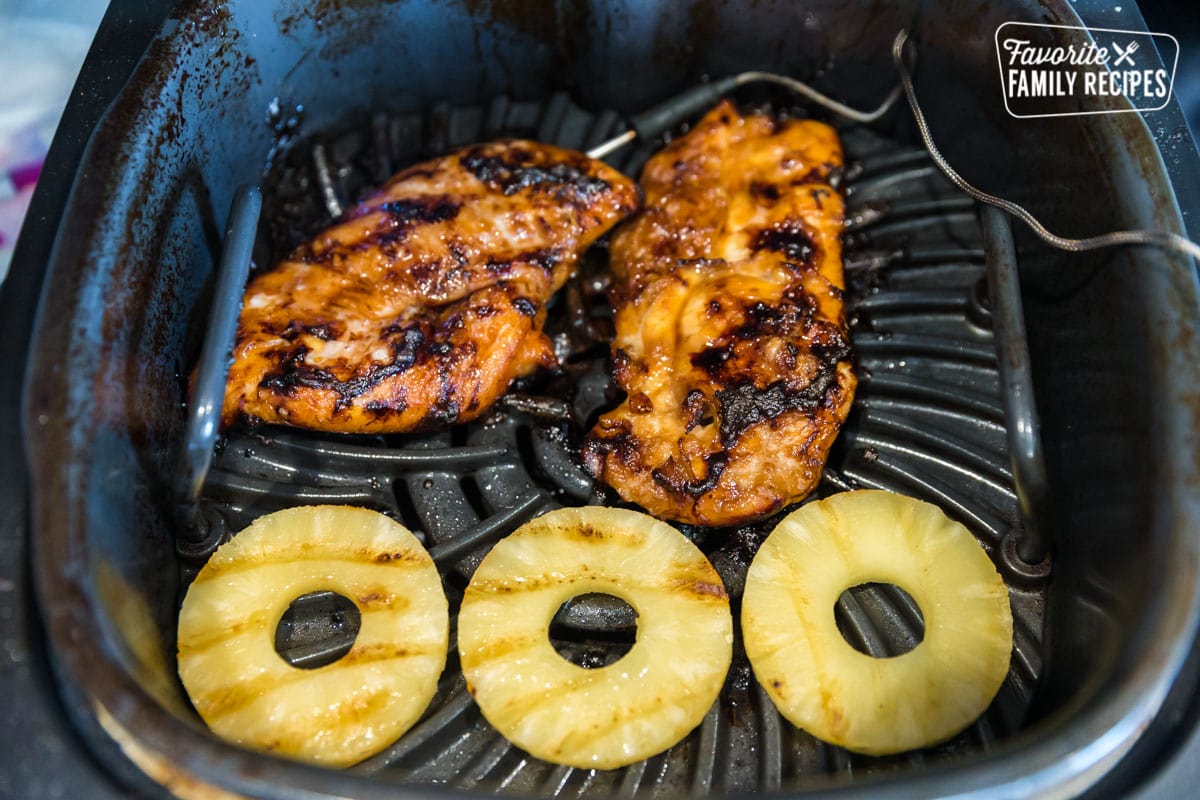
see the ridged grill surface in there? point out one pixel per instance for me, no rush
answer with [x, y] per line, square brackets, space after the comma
[927, 422]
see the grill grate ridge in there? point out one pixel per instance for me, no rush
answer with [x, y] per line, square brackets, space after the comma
[928, 421]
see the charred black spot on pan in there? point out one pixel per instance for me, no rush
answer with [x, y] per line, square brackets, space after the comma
[513, 172]
[788, 237]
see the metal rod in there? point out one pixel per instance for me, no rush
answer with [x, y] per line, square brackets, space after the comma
[1167, 239]
[1016, 382]
[615, 143]
[672, 112]
[208, 388]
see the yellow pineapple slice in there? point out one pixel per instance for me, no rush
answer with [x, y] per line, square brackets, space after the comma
[822, 684]
[628, 710]
[339, 713]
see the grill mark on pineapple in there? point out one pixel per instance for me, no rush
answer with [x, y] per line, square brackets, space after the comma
[529, 583]
[346, 714]
[703, 589]
[834, 714]
[801, 607]
[499, 649]
[647, 705]
[222, 634]
[592, 535]
[380, 597]
[282, 558]
[697, 580]
[227, 698]
[359, 706]
[376, 600]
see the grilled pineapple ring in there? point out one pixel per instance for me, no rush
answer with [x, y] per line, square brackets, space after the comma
[618, 714]
[340, 713]
[822, 684]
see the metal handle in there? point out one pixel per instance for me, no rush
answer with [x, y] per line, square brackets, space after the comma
[1016, 378]
[208, 389]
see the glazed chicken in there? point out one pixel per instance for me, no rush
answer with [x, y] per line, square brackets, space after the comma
[731, 339]
[422, 304]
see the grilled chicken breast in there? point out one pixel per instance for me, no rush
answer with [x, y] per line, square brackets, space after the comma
[731, 339]
[423, 303]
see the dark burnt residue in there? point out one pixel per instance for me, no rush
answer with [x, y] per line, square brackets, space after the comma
[423, 210]
[764, 192]
[790, 238]
[406, 350]
[401, 217]
[323, 331]
[832, 347]
[712, 359]
[514, 171]
[545, 259]
[640, 403]
[696, 409]
[676, 478]
[525, 306]
[817, 173]
[611, 437]
[746, 405]
[792, 315]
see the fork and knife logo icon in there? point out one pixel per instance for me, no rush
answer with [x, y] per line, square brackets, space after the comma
[1124, 54]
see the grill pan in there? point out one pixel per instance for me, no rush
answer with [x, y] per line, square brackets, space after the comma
[929, 421]
[934, 414]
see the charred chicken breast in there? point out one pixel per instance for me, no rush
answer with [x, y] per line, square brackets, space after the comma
[423, 303]
[731, 339]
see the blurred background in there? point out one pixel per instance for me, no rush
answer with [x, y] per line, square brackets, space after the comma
[1181, 19]
[43, 44]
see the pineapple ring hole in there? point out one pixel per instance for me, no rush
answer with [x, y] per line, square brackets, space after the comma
[594, 630]
[317, 629]
[879, 619]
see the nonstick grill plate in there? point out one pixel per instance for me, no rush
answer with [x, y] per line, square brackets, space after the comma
[927, 421]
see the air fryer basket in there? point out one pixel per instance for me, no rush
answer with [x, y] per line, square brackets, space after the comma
[321, 101]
